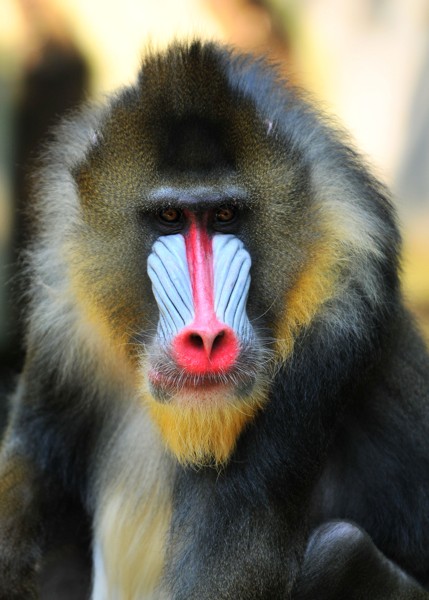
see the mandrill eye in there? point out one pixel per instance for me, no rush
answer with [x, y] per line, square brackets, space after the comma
[225, 218]
[225, 214]
[170, 220]
[170, 215]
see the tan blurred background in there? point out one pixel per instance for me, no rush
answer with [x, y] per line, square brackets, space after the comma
[365, 61]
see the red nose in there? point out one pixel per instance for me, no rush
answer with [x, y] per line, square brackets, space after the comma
[206, 348]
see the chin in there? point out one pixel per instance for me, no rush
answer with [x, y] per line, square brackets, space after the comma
[201, 418]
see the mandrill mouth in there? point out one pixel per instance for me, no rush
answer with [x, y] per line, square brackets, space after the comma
[167, 379]
[201, 412]
[201, 416]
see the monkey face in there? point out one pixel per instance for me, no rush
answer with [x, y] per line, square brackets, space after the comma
[187, 215]
[207, 235]
[200, 363]
[203, 362]
[200, 279]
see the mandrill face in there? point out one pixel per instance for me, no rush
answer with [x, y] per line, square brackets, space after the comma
[203, 363]
[200, 274]
[213, 254]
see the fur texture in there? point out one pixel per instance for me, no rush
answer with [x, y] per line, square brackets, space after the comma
[208, 488]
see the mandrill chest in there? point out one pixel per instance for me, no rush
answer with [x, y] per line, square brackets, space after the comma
[200, 391]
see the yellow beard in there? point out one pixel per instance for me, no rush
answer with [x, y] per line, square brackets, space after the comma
[204, 431]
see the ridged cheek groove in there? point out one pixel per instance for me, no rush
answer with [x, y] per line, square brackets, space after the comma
[201, 284]
[168, 271]
[232, 265]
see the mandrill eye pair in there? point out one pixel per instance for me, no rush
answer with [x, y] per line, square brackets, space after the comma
[172, 219]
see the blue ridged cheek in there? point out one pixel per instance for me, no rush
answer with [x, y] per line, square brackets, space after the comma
[171, 284]
[232, 265]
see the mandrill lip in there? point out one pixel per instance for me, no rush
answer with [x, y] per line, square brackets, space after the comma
[182, 380]
[167, 382]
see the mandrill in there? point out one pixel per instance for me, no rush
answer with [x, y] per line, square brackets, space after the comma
[222, 385]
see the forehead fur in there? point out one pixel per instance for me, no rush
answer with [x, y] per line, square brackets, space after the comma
[194, 112]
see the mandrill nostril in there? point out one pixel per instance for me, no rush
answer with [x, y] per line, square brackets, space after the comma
[217, 342]
[208, 347]
[207, 342]
[196, 340]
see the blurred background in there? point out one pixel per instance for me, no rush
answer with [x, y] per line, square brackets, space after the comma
[365, 61]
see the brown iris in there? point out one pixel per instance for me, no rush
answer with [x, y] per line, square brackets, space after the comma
[225, 214]
[170, 215]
